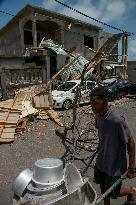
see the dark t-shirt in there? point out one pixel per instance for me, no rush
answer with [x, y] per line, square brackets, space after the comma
[113, 134]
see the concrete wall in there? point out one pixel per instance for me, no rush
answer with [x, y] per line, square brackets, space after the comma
[10, 42]
[11, 62]
[131, 71]
[75, 38]
[103, 36]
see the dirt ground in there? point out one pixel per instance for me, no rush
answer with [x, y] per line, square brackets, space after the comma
[28, 148]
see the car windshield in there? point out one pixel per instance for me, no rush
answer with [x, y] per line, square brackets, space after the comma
[66, 86]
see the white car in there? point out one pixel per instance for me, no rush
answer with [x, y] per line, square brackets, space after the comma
[64, 94]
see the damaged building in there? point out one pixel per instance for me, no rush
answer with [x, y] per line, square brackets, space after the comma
[28, 28]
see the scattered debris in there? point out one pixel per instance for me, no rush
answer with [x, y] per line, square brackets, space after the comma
[27, 109]
[54, 116]
[16, 113]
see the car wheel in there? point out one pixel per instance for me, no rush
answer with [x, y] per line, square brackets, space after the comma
[67, 104]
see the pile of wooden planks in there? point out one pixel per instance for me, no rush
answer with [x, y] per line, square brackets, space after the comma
[14, 113]
[9, 116]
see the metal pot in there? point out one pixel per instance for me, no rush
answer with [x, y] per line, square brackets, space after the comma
[22, 181]
[48, 171]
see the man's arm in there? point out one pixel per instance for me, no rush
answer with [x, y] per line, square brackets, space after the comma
[131, 153]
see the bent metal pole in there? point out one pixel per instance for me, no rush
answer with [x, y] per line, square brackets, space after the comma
[101, 198]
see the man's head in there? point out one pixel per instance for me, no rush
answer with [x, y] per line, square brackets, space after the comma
[99, 99]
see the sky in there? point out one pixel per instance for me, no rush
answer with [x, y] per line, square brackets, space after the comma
[118, 13]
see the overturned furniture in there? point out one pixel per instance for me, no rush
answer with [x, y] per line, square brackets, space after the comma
[52, 184]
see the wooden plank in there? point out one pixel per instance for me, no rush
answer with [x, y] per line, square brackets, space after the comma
[123, 49]
[8, 108]
[7, 139]
[36, 101]
[8, 129]
[7, 122]
[41, 101]
[12, 116]
[54, 116]
[8, 113]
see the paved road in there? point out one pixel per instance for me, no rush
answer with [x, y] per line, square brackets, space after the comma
[27, 149]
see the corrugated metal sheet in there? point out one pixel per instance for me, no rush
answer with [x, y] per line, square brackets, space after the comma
[53, 46]
[76, 68]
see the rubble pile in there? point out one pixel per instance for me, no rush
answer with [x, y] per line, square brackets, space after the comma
[19, 113]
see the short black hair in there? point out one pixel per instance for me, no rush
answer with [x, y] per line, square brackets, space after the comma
[100, 92]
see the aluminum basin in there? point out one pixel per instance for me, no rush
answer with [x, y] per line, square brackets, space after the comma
[22, 181]
[48, 171]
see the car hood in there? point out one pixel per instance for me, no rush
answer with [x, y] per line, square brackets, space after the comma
[56, 93]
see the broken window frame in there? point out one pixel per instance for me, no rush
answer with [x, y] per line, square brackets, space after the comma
[89, 45]
[26, 41]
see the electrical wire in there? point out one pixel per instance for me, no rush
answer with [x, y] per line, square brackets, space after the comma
[4, 12]
[68, 30]
[60, 29]
[98, 21]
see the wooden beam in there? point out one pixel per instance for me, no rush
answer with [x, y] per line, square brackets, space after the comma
[125, 56]
[34, 32]
[2, 122]
[39, 48]
[9, 108]
[123, 49]
[7, 139]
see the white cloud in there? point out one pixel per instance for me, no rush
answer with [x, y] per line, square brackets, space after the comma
[51, 4]
[105, 10]
[114, 11]
[109, 11]
[132, 49]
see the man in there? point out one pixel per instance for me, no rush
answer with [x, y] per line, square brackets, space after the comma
[115, 140]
